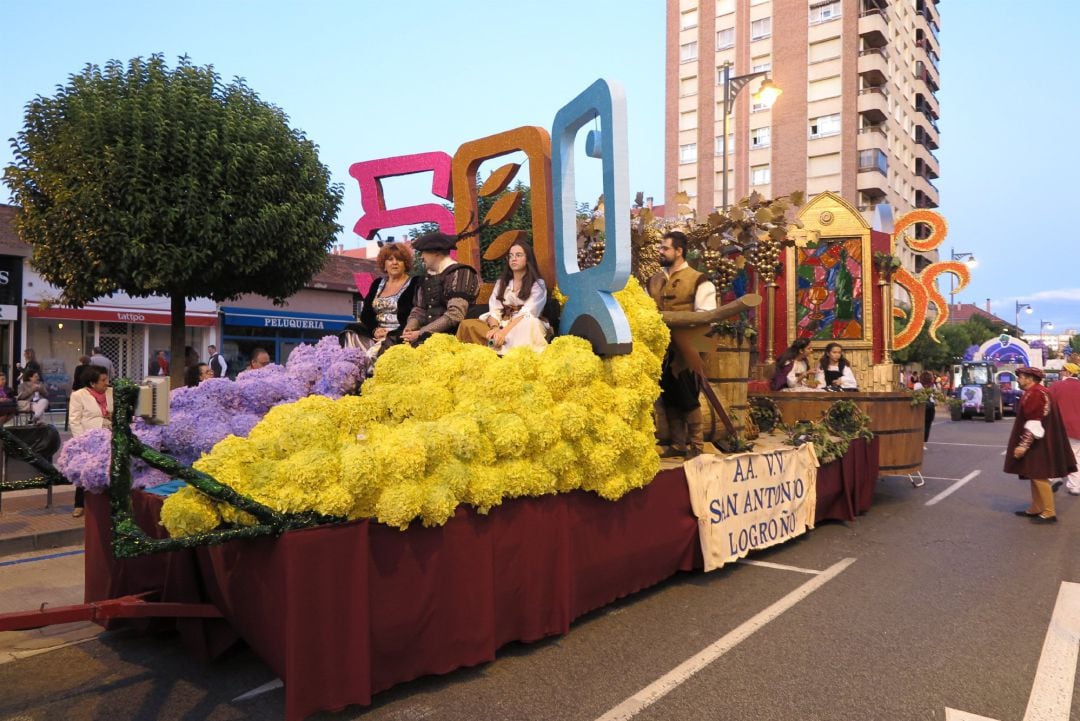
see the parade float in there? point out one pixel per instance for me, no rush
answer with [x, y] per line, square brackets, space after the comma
[361, 533]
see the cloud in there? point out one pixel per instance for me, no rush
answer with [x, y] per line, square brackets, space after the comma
[1067, 295]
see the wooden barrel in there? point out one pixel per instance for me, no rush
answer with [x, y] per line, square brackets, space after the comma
[727, 368]
[897, 423]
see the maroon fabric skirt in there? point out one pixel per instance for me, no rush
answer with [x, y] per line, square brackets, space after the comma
[1049, 457]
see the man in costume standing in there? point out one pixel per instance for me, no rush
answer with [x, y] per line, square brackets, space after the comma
[678, 287]
[445, 292]
[1038, 448]
[1065, 394]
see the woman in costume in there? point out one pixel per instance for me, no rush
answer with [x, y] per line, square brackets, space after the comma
[387, 304]
[793, 368]
[834, 371]
[516, 307]
[1038, 447]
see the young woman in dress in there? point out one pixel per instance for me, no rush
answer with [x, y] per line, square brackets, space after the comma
[516, 307]
[834, 371]
[793, 368]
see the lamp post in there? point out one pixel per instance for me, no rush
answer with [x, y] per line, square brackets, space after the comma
[1026, 307]
[971, 263]
[1043, 324]
[766, 94]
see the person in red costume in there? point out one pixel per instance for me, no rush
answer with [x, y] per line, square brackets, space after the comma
[1066, 396]
[1038, 448]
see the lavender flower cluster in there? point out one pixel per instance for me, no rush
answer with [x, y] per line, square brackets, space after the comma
[199, 417]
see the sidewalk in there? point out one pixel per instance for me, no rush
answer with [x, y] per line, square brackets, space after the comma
[27, 525]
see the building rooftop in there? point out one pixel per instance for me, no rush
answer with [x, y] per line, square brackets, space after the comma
[963, 312]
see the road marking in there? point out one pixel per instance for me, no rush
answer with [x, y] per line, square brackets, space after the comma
[973, 445]
[671, 680]
[1052, 690]
[949, 491]
[780, 566]
[41, 558]
[258, 691]
[925, 478]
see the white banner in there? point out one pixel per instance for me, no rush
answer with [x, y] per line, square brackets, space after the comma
[748, 501]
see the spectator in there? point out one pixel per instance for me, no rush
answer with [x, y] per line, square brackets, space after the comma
[32, 396]
[926, 381]
[90, 408]
[77, 380]
[191, 356]
[8, 406]
[259, 359]
[30, 363]
[218, 365]
[97, 358]
[196, 374]
[160, 364]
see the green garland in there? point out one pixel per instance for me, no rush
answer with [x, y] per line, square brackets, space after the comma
[842, 423]
[765, 414]
[130, 541]
[15, 448]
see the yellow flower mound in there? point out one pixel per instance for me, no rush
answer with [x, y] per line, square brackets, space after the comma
[450, 423]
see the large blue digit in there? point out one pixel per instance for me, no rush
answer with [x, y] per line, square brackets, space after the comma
[591, 312]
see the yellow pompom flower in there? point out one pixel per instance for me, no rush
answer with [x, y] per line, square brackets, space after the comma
[188, 512]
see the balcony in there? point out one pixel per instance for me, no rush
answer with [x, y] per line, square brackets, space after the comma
[925, 74]
[926, 164]
[925, 50]
[874, 27]
[926, 104]
[927, 136]
[926, 195]
[873, 176]
[925, 19]
[873, 136]
[874, 65]
[873, 104]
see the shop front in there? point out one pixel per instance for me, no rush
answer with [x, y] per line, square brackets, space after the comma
[278, 332]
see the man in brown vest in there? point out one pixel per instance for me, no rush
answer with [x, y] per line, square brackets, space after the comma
[679, 287]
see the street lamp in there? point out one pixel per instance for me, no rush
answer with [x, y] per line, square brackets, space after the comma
[1043, 324]
[1026, 307]
[969, 259]
[766, 95]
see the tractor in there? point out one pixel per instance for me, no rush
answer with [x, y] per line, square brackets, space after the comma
[975, 384]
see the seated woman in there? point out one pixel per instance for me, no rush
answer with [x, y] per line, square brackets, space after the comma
[834, 372]
[793, 368]
[32, 396]
[387, 304]
[516, 307]
[8, 406]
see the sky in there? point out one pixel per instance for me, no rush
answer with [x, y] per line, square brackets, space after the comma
[366, 80]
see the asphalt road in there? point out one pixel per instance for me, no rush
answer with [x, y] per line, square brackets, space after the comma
[945, 605]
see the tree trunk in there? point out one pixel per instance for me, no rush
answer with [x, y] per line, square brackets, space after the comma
[177, 341]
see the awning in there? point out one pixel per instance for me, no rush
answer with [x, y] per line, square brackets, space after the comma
[275, 319]
[120, 315]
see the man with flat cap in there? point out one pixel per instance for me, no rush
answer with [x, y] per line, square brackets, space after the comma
[1038, 448]
[445, 292]
[1066, 396]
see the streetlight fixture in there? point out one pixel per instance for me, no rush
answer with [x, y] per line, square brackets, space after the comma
[969, 259]
[766, 95]
[1026, 307]
[1044, 324]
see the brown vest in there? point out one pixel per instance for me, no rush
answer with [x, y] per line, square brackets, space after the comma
[677, 291]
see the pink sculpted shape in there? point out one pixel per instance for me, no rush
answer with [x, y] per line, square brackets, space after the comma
[370, 173]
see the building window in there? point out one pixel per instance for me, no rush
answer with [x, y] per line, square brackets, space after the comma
[689, 19]
[873, 159]
[730, 144]
[725, 38]
[724, 7]
[688, 153]
[759, 175]
[761, 29]
[688, 86]
[688, 52]
[824, 126]
[824, 12]
[759, 137]
[762, 67]
[824, 88]
[688, 120]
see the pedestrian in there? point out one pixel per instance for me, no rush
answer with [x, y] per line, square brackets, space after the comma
[90, 408]
[259, 359]
[926, 381]
[29, 363]
[160, 365]
[1038, 447]
[77, 380]
[97, 358]
[1066, 396]
[678, 287]
[218, 365]
[196, 374]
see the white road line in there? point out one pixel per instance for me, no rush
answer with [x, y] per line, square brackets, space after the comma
[925, 478]
[269, 686]
[949, 491]
[671, 680]
[973, 445]
[1051, 694]
[780, 566]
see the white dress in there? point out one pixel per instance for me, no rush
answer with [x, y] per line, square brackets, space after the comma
[531, 331]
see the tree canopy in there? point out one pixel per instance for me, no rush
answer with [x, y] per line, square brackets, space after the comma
[148, 180]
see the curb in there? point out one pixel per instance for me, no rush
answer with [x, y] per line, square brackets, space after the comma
[41, 541]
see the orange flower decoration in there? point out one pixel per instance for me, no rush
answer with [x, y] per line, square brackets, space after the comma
[929, 217]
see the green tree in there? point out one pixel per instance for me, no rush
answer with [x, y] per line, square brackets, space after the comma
[1074, 343]
[148, 180]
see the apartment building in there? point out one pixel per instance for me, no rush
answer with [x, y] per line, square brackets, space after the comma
[858, 114]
